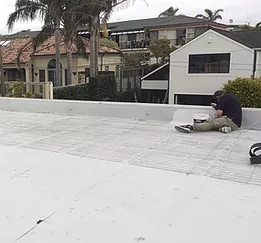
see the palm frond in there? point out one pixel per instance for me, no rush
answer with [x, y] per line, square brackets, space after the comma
[201, 16]
[170, 12]
[81, 46]
[258, 25]
[216, 17]
[209, 13]
[20, 52]
[217, 11]
[46, 32]
[26, 10]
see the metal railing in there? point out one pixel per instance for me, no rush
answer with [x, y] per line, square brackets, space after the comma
[145, 43]
[135, 44]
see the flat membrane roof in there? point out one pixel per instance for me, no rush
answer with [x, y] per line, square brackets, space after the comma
[98, 179]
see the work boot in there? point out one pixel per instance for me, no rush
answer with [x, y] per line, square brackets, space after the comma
[225, 129]
[184, 128]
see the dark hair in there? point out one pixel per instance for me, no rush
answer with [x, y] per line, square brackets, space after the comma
[218, 93]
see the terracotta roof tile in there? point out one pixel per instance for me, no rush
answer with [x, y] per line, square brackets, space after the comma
[48, 48]
[10, 52]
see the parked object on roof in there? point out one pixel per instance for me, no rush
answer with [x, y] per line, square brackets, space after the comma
[255, 154]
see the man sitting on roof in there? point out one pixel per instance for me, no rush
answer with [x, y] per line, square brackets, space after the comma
[229, 115]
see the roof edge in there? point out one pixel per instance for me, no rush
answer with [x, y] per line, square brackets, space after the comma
[154, 71]
[216, 32]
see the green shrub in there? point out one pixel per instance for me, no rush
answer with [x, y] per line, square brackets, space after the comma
[77, 92]
[126, 96]
[106, 73]
[102, 88]
[99, 88]
[109, 43]
[247, 89]
[29, 95]
[17, 90]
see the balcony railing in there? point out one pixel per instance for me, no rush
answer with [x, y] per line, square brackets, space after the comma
[145, 44]
[135, 44]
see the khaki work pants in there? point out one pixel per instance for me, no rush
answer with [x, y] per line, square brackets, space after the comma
[215, 124]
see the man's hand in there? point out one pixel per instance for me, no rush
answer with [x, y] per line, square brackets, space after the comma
[214, 105]
[219, 113]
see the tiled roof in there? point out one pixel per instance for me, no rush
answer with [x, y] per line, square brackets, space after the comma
[175, 21]
[250, 38]
[141, 24]
[48, 48]
[10, 52]
[23, 33]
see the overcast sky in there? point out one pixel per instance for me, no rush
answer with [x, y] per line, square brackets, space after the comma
[240, 11]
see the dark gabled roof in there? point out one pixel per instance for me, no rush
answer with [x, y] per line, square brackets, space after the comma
[23, 34]
[141, 24]
[160, 73]
[249, 38]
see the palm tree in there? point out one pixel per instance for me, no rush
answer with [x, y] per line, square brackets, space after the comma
[97, 11]
[101, 10]
[70, 20]
[170, 12]
[50, 11]
[210, 15]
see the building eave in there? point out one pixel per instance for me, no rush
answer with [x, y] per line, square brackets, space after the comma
[154, 71]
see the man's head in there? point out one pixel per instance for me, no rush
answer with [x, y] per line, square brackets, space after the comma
[218, 94]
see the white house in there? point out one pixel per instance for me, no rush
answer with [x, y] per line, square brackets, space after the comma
[206, 63]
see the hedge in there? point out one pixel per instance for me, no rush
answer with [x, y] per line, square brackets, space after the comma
[247, 89]
[125, 96]
[76, 92]
[99, 88]
[102, 88]
[106, 73]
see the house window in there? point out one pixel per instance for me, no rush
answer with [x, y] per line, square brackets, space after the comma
[162, 34]
[13, 75]
[66, 77]
[132, 37]
[209, 63]
[42, 75]
[185, 99]
[190, 33]
[52, 72]
[107, 68]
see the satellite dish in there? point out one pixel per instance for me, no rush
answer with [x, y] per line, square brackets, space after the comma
[231, 21]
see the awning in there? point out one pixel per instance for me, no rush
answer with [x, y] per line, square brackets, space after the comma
[128, 32]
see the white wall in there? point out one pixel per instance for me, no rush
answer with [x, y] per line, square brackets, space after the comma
[173, 114]
[154, 84]
[258, 66]
[181, 82]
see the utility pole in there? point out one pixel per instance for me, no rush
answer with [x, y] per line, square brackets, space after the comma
[2, 73]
